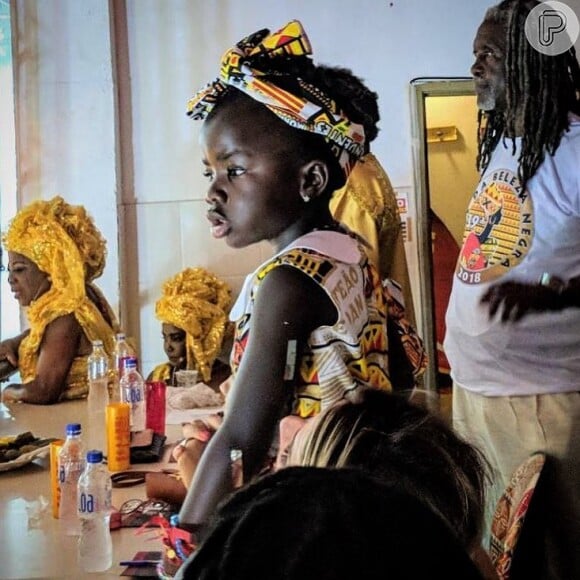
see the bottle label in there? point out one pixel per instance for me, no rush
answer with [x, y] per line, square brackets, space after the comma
[55, 448]
[121, 364]
[69, 471]
[134, 395]
[86, 503]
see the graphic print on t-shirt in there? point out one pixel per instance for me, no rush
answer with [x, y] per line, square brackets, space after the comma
[498, 228]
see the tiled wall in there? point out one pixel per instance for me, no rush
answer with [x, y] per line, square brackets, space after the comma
[172, 236]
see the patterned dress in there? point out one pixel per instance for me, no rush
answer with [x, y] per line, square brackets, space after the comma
[336, 359]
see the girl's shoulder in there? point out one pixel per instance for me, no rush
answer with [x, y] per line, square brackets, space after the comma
[332, 244]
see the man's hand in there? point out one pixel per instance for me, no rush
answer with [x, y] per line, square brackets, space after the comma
[514, 300]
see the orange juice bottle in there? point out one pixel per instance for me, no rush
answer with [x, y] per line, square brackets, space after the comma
[118, 436]
[55, 447]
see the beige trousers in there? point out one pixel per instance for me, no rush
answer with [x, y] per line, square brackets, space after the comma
[508, 430]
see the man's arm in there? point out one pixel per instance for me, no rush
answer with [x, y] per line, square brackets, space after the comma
[514, 300]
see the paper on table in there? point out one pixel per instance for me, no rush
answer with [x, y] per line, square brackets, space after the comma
[179, 416]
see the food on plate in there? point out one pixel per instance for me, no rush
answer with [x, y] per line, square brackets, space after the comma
[13, 446]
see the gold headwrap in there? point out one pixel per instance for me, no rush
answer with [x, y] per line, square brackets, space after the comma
[198, 302]
[63, 242]
[295, 101]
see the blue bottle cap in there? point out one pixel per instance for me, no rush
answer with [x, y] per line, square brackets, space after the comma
[94, 456]
[73, 429]
[174, 520]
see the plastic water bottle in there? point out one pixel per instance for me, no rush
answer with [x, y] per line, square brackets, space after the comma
[98, 365]
[94, 510]
[133, 392]
[122, 352]
[71, 464]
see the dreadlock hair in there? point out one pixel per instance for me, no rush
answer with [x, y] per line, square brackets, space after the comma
[304, 523]
[356, 100]
[540, 92]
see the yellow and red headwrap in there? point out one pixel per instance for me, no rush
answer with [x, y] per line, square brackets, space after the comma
[198, 302]
[299, 104]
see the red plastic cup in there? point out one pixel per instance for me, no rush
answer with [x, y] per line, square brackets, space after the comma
[155, 396]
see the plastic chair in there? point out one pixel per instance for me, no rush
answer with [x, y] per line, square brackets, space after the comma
[518, 525]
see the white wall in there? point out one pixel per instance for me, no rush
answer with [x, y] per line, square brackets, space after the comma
[65, 112]
[67, 122]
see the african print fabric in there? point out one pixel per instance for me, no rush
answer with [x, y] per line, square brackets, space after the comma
[340, 358]
[298, 103]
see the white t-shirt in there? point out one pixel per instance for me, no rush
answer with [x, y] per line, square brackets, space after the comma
[512, 235]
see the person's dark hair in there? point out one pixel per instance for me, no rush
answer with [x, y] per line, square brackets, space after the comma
[358, 102]
[540, 89]
[306, 523]
[405, 445]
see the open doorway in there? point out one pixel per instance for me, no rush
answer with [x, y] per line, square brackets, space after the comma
[444, 116]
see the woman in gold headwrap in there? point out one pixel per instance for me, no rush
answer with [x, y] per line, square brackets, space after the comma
[55, 252]
[367, 205]
[194, 315]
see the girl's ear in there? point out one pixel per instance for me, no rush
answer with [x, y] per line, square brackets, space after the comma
[314, 179]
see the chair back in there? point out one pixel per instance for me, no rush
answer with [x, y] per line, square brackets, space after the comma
[519, 521]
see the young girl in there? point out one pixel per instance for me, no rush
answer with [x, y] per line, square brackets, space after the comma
[279, 136]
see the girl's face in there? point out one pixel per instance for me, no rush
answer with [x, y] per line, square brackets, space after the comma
[26, 281]
[174, 345]
[254, 174]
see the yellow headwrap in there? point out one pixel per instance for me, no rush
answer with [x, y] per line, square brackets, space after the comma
[198, 302]
[63, 242]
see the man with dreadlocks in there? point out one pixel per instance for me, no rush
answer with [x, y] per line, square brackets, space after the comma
[513, 320]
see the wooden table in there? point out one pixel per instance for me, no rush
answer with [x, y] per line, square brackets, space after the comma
[31, 542]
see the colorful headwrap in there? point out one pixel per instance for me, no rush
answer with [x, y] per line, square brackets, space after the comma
[299, 104]
[63, 242]
[198, 302]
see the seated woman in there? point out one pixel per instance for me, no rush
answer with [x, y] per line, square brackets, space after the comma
[410, 448]
[193, 311]
[55, 252]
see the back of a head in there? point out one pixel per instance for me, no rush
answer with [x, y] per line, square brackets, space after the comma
[82, 229]
[407, 446]
[307, 523]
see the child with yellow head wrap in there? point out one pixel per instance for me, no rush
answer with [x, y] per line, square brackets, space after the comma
[55, 251]
[196, 302]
